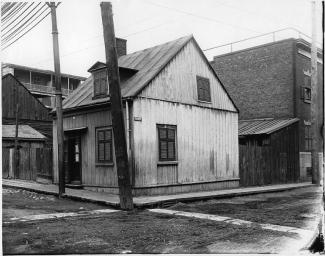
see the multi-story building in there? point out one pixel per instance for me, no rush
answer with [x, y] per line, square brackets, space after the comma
[40, 82]
[274, 81]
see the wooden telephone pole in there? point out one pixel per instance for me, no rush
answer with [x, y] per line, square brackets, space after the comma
[314, 102]
[126, 200]
[58, 98]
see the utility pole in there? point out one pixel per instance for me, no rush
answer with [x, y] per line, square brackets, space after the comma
[58, 98]
[125, 190]
[16, 152]
[314, 101]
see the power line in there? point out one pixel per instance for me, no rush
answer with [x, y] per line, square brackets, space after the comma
[202, 17]
[25, 25]
[100, 44]
[2, 29]
[5, 17]
[8, 17]
[27, 31]
[6, 7]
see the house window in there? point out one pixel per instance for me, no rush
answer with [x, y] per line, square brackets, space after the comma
[104, 145]
[100, 83]
[167, 142]
[203, 89]
[306, 89]
[308, 138]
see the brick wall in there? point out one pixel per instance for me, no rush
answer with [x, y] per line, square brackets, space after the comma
[260, 79]
[303, 67]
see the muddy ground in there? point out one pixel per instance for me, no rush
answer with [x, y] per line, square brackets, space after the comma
[146, 232]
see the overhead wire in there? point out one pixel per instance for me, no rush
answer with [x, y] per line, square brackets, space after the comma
[4, 28]
[201, 17]
[24, 25]
[13, 9]
[6, 7]
[26, 31]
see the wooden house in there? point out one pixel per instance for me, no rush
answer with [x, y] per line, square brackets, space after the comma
[30, 110]
[268, 151]
[28, 137]
[34, 132]
[181, 125]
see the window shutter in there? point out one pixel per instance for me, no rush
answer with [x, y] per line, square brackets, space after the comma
[101, 150]
[203, 88]
[171, 150]
[163, 150]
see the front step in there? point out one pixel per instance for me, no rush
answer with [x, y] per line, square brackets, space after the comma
[74, 186]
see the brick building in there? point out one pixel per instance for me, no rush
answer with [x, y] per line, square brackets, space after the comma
[273, 81]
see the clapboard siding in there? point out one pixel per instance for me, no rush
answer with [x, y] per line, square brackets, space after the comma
[92, 174]
[177, 82]
[207, 147]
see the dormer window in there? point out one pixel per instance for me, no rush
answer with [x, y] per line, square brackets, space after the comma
[100, 83]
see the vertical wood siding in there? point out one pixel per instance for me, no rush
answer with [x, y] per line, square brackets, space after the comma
[92, 174]
[31, 111]
[177, 82]
[275, 163]
[207, 143]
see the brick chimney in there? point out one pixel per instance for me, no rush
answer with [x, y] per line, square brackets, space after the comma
[120, 46]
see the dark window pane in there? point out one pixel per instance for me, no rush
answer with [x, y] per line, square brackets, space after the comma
[108, 135]
[100, 135]
[163, 150]
[171, 150]
[162, 133]
[101, 152]
[171, 134]
[107, 151]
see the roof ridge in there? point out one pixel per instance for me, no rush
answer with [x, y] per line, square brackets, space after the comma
[158, 45]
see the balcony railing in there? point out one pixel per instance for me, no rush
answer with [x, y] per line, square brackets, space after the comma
[257, 40]
[38, 88]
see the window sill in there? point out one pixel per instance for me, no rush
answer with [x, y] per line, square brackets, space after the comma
[161, 163]
[104, 164]
[206, 102]
[307, 101]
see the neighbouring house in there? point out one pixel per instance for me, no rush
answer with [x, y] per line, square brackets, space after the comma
[181, 124]
[40, 82]
[274, 81]
[269, 152]
[34, 131]
[28, 137]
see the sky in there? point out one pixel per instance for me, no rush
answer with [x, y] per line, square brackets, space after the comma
[146, 23]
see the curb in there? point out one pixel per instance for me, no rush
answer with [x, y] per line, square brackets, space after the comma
[163, 202]
[169, 202]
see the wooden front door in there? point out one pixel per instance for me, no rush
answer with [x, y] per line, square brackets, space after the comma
[74, 160]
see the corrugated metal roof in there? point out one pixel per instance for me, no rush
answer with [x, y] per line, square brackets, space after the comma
[263, 126]
[24, 132]
[149, 62]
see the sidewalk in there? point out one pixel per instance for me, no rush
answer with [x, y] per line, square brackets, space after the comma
[147, 201]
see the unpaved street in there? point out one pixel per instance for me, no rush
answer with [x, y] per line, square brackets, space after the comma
[151, 232]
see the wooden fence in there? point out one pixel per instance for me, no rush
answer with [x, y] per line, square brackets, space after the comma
[33, 163]
[260, 165]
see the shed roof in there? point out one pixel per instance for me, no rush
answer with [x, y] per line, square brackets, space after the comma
[149, 62]
[24, 132]
[263, 126]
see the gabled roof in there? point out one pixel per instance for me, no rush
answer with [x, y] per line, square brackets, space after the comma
[148, 62]
[25, 132]
[263, 126]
